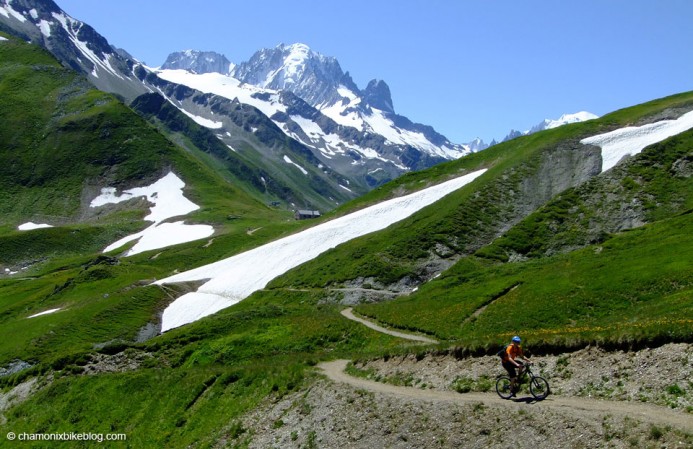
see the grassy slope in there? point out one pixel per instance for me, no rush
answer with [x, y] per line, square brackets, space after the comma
[636, 286]
[58, 132]
[655, 182]
[624, 287]
[203, 377]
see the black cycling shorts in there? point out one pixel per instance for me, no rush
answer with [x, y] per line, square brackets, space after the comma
[510, 368]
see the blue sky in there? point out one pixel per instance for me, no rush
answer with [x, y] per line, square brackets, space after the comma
[467, 68]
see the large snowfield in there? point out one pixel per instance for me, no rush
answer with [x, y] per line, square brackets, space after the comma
[233, 279]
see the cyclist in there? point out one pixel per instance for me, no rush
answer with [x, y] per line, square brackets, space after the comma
[512, 352]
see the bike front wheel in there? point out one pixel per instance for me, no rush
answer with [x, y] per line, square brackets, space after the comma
[539, 387]
[504, 387]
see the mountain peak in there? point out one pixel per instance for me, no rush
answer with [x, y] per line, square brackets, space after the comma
[197, 61]
[296, 68]
[377, 94]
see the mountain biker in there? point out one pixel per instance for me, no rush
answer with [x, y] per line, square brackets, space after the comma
[508, 360]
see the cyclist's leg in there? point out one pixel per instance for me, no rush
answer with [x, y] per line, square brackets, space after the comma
[512, 373]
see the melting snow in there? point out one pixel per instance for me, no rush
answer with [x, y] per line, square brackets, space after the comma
[632, 140]
[168, 199]
[44, 313]
[162, 235]
[233, 279]
[203, 121]
[45, 27]
[289, 161]
[31, 226]
[7, 11]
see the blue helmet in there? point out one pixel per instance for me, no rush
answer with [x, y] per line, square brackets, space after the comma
[516, 339]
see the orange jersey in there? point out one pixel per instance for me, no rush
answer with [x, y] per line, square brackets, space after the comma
[513, 351]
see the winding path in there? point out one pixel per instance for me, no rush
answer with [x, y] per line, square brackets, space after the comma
[589, 408]
[349, 313]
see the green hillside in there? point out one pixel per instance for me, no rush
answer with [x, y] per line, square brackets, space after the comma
[537, 246]
[62, 141]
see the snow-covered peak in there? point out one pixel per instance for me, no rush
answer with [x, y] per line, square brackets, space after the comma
[477, 145]
[312, 76]
[297, 53]
[565, 119]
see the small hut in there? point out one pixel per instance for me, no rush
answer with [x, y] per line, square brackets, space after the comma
[306, 214]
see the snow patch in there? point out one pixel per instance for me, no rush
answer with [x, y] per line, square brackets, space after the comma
[45, 28]
[207, 123]
[289, 161]
[67, 22]
[47, 312]
[31, 226]
[632, 140]
[7, 11]
[163, 235]
[232, 280]
[167, 196]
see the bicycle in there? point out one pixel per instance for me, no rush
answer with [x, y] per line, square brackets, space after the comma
[538, 386]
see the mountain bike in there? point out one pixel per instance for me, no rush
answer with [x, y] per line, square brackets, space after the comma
[538, 386]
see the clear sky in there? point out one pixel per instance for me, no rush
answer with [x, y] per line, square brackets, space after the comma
[466, 67]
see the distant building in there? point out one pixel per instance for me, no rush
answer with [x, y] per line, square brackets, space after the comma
[306, 214]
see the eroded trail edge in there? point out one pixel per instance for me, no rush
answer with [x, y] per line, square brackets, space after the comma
[577, 406]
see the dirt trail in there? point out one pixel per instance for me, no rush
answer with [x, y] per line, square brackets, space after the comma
[589, 408]
[348, 313]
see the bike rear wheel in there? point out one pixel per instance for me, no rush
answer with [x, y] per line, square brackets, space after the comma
[504, 387]
[539, 387]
